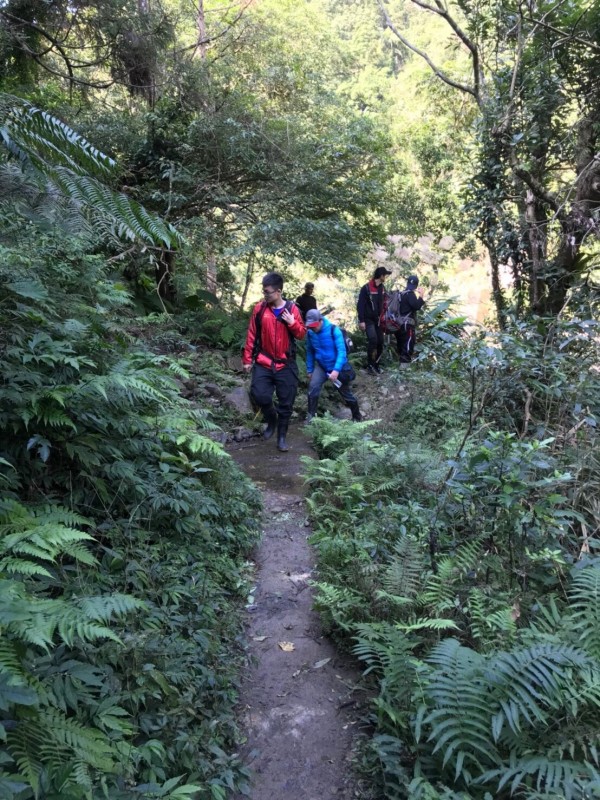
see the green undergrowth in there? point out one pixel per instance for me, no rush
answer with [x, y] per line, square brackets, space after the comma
[457, 559]
[124, 536]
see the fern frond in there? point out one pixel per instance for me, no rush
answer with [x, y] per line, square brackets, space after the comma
[34, 135]
[459, 721]
[198, 444]
[91, 745]
[527, 682]
[486, 623]
[403, 574]
[20, 566]
[103, 608]
[555, 778]
[584, 616]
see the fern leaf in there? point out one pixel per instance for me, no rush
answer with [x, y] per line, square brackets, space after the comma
[584, 599]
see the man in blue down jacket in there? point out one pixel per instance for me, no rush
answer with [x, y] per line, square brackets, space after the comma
[326, 359]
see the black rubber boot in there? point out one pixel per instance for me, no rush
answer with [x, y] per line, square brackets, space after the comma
[312, 408]
[281, 434]
[356, 415]
[270, 416]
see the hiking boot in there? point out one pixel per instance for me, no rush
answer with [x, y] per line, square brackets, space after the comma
[281, 434]
[271, 419]
[378, 369]
[311, 409]
[371, 370]
[356, 415]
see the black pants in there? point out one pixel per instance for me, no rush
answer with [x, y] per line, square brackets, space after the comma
[405, 342]
[374, 343]
[284, 382]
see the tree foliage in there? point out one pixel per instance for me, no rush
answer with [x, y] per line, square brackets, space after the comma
[534, 194]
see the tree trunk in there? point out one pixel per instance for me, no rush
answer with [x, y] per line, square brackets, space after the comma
[211, 269]
[537, 220]
[247, 280]
[579, 223]
[497, 292]
[202, 43]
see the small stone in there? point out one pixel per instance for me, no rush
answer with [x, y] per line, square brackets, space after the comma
[239, 400]
[212, 390]
[241, 434]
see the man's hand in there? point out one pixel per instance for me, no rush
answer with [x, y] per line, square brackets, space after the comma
[333, 375]
[309, 375]
[362, 326]
[421, 292]
[287, 316]
[246, 367]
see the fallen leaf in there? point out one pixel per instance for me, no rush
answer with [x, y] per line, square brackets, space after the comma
[321, 663]
[287, 646]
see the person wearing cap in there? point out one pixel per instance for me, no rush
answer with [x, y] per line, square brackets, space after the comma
[270, 352]
[409, 305]
[306, 301]
[370, 308]
[326, 359]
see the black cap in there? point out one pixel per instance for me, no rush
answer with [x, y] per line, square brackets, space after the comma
[380, 272]
[412, 282]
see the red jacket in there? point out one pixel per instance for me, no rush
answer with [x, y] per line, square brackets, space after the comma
[274, 336]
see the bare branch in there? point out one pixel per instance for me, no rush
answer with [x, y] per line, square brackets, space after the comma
[442, 12]
[441, 75]
[567, 37]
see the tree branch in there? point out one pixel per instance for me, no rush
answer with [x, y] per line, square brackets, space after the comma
[567, 37]
[441, 75]
[442, 12]
[535, 185]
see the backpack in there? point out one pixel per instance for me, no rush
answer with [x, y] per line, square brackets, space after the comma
[393, 320]
[347, 373]
[347, 340]
[291, 352]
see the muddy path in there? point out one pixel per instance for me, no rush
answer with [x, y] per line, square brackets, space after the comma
[300, 699]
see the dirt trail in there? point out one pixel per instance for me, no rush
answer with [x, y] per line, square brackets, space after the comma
[298, 706]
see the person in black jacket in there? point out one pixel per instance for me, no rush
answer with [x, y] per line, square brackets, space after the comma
[370, 307]
[409, 305]
[306, 301]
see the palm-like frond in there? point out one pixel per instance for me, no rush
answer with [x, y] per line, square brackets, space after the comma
[50, 148]
[41, 139]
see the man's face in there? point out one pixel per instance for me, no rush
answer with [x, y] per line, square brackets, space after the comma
[309, 290]
[271, 295]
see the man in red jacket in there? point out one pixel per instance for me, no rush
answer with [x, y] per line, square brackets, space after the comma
[270, 352]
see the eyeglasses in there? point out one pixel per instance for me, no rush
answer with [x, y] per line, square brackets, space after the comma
[267, 293]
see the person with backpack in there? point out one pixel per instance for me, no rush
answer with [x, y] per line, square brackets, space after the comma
[270, 352]
[327, 359]
[306, 301]
[408, 306]
[370, 308]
